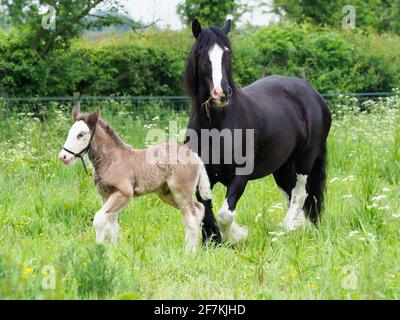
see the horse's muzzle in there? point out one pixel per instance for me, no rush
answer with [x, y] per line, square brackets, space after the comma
[65, 158]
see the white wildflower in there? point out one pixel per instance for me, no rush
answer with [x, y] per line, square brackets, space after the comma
[353, 233]
[379, 198]
[347, 196]
[349, 178]
[277, 233]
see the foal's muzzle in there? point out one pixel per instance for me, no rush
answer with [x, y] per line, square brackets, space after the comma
[65, 157]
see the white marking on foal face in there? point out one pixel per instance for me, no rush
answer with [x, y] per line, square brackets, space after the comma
[77, 140]
[215, 54]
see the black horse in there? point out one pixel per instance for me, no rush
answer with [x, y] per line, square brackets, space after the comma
[291, 122]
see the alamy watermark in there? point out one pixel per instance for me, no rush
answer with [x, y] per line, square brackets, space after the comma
[349, 20]
[227, 146]
[49, 18]
[350, 279]
[49, 277]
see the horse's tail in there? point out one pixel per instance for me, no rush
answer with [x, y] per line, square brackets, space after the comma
[316, 187]
[204, 183]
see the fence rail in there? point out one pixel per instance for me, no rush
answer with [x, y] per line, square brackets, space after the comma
[327, 96]
[148, 104]
[94, 98]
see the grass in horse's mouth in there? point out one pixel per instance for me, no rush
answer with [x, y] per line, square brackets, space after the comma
[222, 103]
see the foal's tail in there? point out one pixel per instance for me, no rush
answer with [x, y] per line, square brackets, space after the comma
[204, 183]
[316, 187]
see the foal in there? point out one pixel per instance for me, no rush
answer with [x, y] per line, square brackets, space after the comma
[170, 170]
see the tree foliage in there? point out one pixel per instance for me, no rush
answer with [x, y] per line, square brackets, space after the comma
[379, 15]
[210, 12]
[152, 62]
[73, 17]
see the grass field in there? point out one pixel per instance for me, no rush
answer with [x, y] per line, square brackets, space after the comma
[46, 233]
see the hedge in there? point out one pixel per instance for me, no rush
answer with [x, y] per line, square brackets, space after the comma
[152, 63]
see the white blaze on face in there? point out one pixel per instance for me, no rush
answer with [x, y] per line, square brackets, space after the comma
[77, 140]
[215, 54]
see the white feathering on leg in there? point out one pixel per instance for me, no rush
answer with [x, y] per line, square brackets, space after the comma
[231, 231]
[295, 217]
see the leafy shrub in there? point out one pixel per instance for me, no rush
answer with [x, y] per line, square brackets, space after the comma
[95, 274]
[332, 61]
[152, 63]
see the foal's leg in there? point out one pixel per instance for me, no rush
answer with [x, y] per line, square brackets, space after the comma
[192, 211]
[192, 218]
[231, 231]
[106, 219]
[112, 227]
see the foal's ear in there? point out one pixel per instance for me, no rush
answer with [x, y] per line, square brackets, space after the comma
[227, 26]
[196, 28]
[75, 113]
[93, 118]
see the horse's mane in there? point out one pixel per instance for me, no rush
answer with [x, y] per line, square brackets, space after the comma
[106, 127]
[206, 39]
[110, 132]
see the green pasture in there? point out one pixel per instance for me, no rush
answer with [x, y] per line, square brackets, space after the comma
[47, 248]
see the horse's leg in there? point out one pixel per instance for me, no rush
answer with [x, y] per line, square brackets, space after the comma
[313, 164]
[296, 216]
[210, 229]
[285, 178]
[231, 231]
[168, 199]
[112, 228]
[192, 218]
[181, 194]
[106, 221]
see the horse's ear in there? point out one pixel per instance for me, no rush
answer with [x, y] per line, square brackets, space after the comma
[93, 118]
[196, 28]
[227, 26]
[76, 112]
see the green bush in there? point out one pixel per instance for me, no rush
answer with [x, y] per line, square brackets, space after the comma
[95, 274]
[152, 63]
[332, 61]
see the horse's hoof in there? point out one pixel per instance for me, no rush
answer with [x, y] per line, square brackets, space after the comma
[235, 234]
[225, 218]
[296, 223]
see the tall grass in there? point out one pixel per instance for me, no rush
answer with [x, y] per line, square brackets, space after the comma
[46, 211]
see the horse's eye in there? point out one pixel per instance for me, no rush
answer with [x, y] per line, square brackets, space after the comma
[81, 135]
